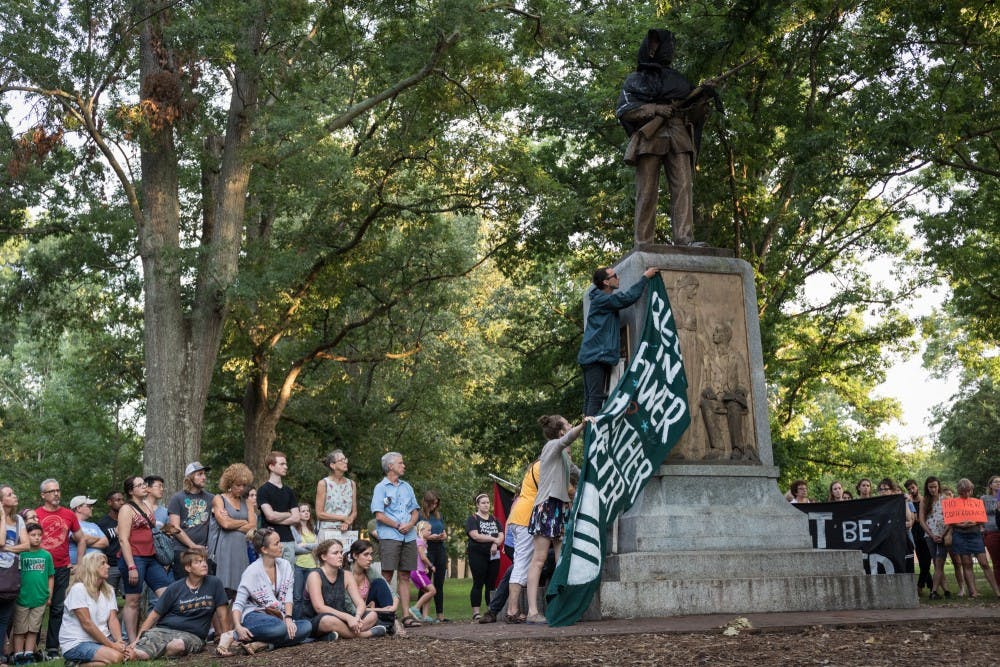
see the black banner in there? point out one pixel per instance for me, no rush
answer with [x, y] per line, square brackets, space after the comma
[874, 526]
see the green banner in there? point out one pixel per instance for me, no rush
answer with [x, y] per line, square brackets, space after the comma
[642, 420]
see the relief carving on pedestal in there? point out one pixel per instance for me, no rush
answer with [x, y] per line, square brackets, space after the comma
[709, 314]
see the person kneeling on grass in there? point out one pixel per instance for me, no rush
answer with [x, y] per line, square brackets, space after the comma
[327, 592]
[180, 621]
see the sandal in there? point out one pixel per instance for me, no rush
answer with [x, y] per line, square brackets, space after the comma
[476, 617]
[512, 620]
[410, 622]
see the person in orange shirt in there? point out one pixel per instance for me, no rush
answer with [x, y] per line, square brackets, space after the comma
[524, 549]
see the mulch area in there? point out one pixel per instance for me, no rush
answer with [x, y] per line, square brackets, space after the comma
[960, 636]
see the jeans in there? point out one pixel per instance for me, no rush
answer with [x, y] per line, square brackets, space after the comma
[595, 380]
[380, 593]
[273, 630]
[6, 615]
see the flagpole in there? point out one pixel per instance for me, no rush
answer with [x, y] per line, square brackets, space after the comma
[500, 480]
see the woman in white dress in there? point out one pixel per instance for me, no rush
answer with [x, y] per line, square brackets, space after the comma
[336, 499]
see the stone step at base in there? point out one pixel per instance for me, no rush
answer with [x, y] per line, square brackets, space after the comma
[755, 595]
[643, 566]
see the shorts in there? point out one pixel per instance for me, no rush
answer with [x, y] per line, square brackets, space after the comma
[153, 642]
[967, 543]
[937, 549]
[82, 652]
[524, 548]
[398, 555]
[27, 619]
[548, 519]
[150, 571]
[420, 579]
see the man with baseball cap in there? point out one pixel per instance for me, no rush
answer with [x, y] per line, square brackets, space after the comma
[189, 511]
[93, 536]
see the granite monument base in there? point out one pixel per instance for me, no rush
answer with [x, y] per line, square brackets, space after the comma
[711, 532]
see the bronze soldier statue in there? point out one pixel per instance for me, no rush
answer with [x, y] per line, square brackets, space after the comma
[663, 115]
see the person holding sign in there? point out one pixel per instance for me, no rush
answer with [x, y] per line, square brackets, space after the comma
[967, 516]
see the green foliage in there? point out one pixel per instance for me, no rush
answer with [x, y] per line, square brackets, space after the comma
[970, 433]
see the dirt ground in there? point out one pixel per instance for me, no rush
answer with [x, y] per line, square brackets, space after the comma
[965, 642]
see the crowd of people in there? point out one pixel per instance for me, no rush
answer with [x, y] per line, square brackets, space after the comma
[933, 541]
[248, 567]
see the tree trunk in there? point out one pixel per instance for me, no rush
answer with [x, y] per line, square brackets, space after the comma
[181, 348]
[171, 434]
[260, 423]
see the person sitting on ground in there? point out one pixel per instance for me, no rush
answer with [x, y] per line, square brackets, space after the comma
[836, 493]
[262, 611]
[180, 621]
[372, 587]
[327, 591]
[967, 541]
[90, 632]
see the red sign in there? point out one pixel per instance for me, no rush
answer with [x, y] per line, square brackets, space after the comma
[962, 510]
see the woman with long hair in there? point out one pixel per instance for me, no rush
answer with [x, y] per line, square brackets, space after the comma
[327, 593]
[836, 492]
[13, 540]
[234, 518]
[305, 538]
[336, 498]
[90, 632]
[931, 518]
[138, 562]
[430, 511]
[372, 587]
[262, 610]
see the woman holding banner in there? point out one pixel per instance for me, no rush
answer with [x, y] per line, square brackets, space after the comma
[967, 542]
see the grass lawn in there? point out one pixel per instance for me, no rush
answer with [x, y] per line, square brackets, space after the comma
[456, 600]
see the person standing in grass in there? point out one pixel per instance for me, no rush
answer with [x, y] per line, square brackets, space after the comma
[37, 581]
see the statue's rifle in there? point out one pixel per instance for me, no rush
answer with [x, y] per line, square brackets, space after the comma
[706, 88]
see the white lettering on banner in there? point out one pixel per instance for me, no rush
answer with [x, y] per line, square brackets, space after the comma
[875, 559]
[857, 531]
[582, 568]
[820, 518]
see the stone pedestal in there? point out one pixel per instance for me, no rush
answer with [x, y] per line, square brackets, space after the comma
[711, 532]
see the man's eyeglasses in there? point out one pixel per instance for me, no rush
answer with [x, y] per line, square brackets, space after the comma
[884, 488]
